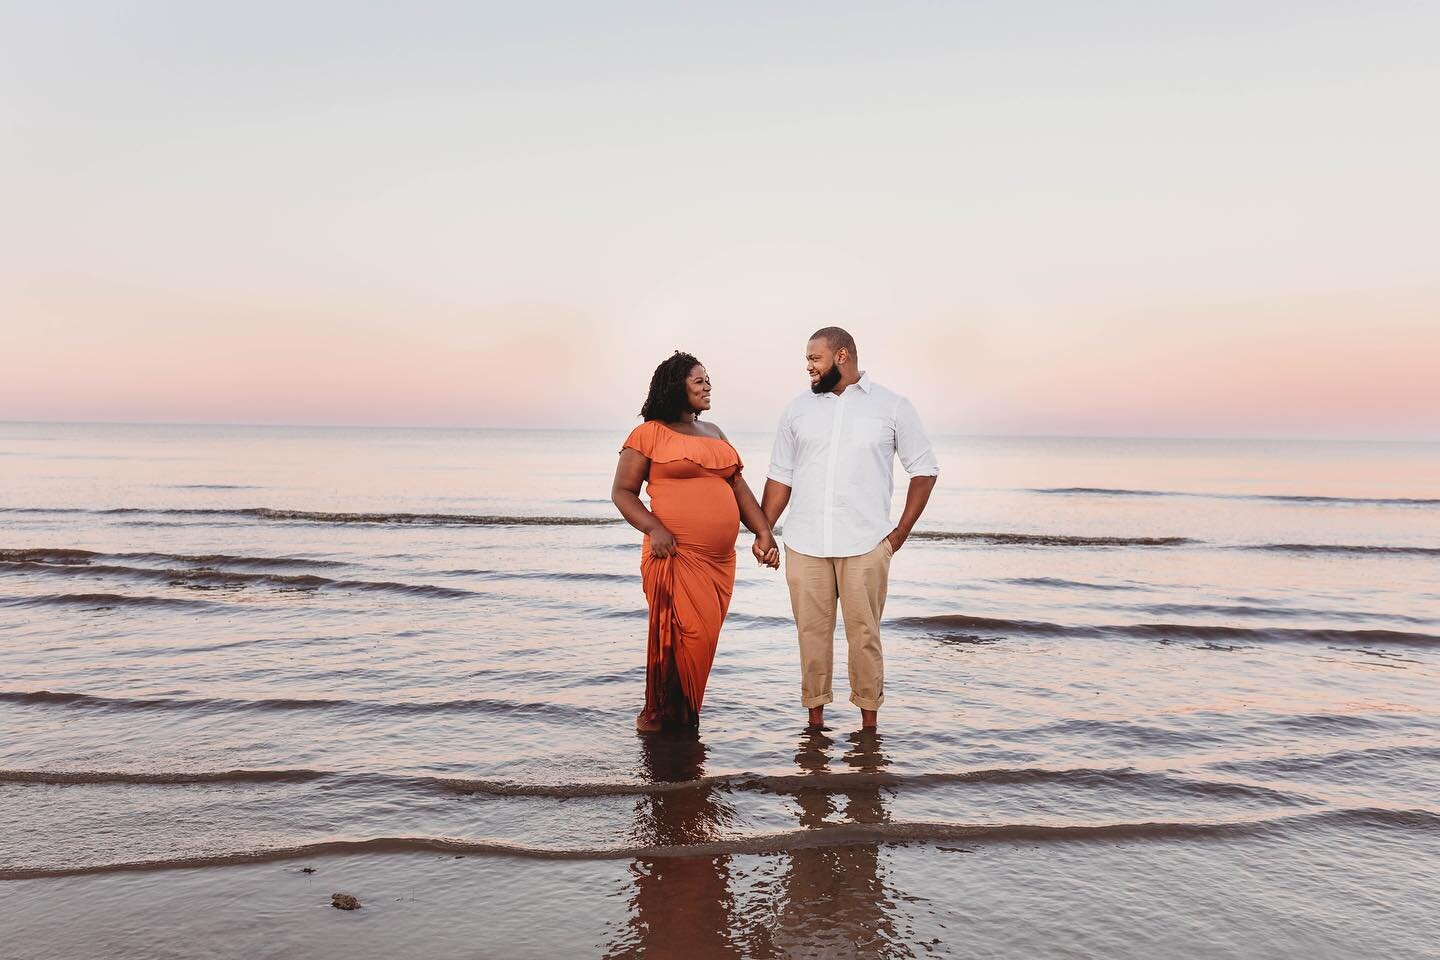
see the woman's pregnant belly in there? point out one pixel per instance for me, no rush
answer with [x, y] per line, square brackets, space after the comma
[700, 513]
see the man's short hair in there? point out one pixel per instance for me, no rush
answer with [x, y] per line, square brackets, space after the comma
[837, 337]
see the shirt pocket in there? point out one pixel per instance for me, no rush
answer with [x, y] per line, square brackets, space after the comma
[875, 432]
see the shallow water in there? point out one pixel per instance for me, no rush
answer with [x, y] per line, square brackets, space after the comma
[1107, 661]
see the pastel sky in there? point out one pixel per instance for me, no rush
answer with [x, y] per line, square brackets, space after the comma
[1069, 218]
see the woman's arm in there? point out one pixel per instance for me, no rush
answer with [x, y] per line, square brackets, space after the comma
[753, 517]
[750, 513]
[625, 494]
[766, 552]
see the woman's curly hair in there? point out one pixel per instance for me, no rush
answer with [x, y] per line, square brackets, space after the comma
[668, 398]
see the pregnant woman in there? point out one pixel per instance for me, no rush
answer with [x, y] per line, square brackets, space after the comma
[687, 563]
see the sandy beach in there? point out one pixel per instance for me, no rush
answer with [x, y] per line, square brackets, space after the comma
[1253, 897]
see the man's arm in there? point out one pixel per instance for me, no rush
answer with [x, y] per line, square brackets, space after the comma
[918, 458]
[782, 472]
[916, 497]
[774, 500]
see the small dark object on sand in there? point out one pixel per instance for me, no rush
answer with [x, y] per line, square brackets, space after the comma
[343, 901]
[307, 869]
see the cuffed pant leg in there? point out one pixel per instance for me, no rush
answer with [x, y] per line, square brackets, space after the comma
[813, 592]
[862, 584]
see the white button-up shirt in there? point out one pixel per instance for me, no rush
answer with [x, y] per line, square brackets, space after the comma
[837, 454]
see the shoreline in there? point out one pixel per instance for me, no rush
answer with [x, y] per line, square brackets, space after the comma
[819, 837]
[1123, 899]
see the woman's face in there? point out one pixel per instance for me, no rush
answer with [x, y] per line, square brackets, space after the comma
[697, 388]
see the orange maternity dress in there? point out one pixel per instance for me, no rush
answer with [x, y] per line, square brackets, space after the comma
[689, 591]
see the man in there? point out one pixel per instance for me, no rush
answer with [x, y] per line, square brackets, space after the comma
[833, 464]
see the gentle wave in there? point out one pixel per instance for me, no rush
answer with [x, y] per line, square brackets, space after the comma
[1104, 492]
[860, 780]
[1155, 631]
[850, 834]
[1048, 540]
[1383, 758]
[1273, 611]
[70, 556]
[1001, 539]
[1311, 724]
[106, 601]
[210, 486]
[101, 777]
[221, 704]
[1133, 734]
[1269, 497]
[1068, 584]
[1344, 548]
[231, 578]
[1088, 778]
[561, 576]
[63, 561]
[314, 516]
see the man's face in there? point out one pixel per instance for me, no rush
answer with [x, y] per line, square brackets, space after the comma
[822, 365]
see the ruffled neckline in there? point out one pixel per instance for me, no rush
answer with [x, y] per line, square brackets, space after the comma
[684, 446]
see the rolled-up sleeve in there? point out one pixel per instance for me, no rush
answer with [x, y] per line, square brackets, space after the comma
[911, 443]
[782, 455]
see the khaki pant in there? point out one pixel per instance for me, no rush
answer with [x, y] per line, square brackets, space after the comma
[859, 583]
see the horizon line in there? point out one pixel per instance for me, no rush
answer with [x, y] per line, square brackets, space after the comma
[1256, 438]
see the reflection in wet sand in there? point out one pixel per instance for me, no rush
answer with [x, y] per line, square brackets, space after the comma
[833, 901]
[822, 902]
[680, 906]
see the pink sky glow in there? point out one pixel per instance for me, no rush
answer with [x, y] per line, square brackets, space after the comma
[1217, 221]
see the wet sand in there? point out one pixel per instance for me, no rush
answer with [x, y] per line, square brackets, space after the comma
[1328, 897]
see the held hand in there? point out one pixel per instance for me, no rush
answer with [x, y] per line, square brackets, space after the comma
[897, 540]
[767, 554]
[662, 543]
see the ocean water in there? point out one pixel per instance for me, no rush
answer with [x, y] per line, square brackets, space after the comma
[1142, 697]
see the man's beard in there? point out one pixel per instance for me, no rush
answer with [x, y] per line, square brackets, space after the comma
[828, 380]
